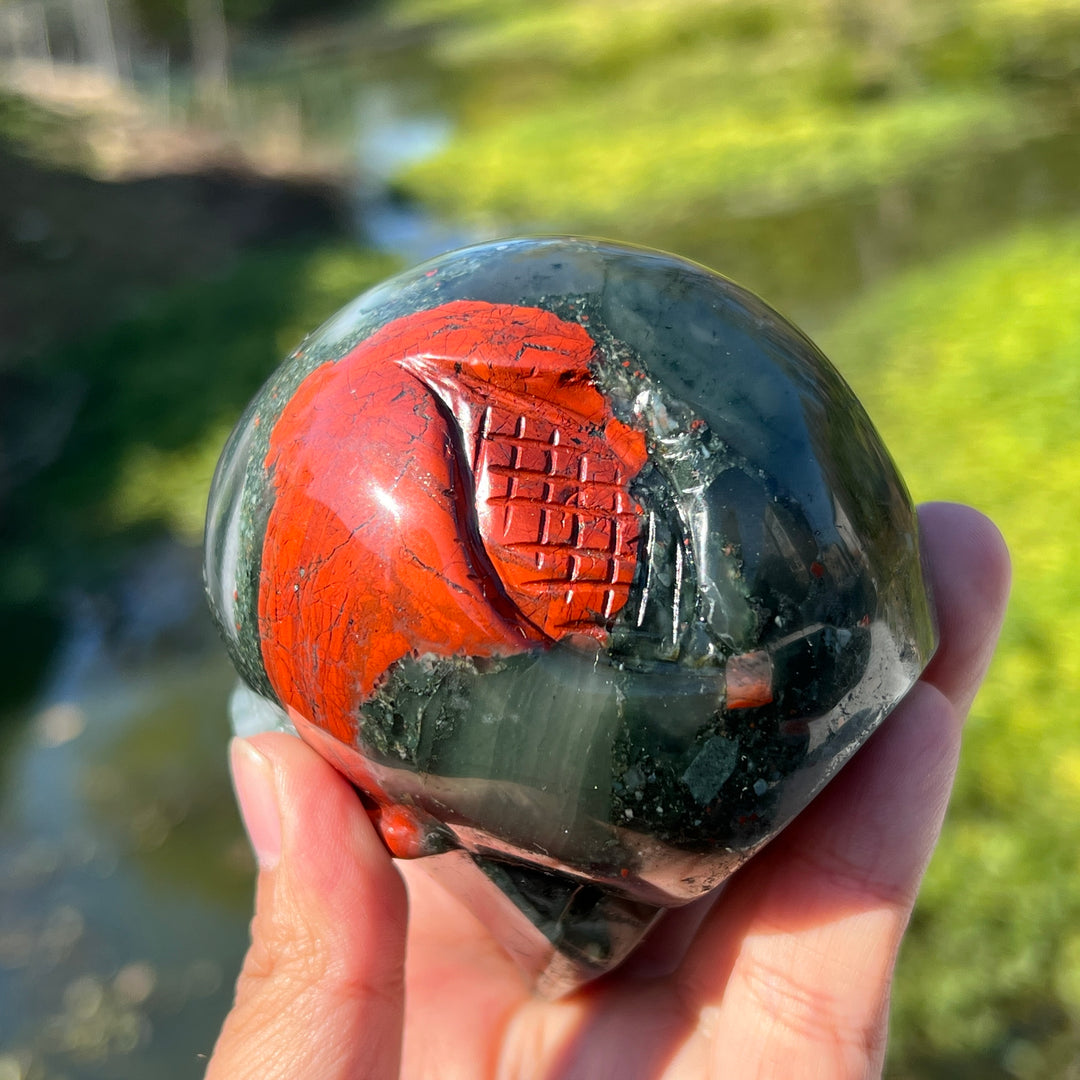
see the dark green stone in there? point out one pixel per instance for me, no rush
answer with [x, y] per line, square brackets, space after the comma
[590, 785]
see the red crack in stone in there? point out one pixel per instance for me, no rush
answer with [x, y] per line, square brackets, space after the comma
[454, 485]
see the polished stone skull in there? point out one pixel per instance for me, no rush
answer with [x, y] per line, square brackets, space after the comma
[583, 564]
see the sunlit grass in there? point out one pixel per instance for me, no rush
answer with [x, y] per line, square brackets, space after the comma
[41, 134]
[612, 165]
[970, 368]
[594, 116]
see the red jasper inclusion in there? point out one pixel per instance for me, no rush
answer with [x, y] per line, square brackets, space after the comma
[495, 515]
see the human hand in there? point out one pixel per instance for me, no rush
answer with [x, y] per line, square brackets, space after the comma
[785, 973]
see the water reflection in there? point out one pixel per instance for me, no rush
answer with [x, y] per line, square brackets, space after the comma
[391, 135]
[125, 880]
[813, 259]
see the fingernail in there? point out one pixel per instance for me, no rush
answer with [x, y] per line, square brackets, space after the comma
[253, 781]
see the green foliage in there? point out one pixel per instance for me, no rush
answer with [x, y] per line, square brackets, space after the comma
[970, 370]
[162, 389]
[589, 115]
[40, 134]
[586, 169]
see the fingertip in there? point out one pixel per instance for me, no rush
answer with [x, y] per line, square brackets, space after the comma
[971, 531]
[334, 876]
[970, 573]
[256, 796]
[327, 837]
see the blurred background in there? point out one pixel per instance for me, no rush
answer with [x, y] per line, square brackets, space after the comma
[189, 186]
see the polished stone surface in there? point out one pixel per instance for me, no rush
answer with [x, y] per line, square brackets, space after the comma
[584, 565]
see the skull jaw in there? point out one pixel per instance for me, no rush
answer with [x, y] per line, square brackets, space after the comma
[561, 932]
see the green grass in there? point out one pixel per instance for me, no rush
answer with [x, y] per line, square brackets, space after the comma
[586, 169]
[589, 115]
[971, 369]
[43, 135]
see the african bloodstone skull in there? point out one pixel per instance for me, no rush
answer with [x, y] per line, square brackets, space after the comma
[584, 566]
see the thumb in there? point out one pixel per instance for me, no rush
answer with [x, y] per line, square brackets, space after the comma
[321, 990]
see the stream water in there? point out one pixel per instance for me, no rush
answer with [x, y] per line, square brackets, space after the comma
[124, 878]
[125, 881]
